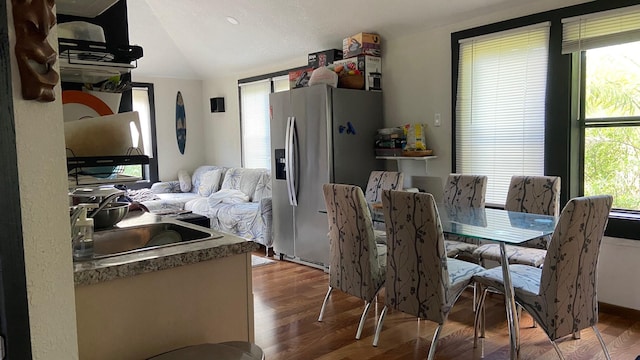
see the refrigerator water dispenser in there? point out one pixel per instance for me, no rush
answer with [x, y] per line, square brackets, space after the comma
[281, 173]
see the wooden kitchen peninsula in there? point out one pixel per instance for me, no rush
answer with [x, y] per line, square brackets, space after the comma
[137, 305]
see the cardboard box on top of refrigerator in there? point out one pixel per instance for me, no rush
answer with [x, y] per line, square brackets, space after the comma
[324, 58]
[369, 66]
[300, 78]
[361, 44]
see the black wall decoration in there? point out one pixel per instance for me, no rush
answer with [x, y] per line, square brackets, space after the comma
[217, 104]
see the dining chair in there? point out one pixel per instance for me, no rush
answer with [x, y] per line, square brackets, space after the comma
[526, 194]
[463, 191]
[421, 280]
[382, 180]
[379, 181]
[562, 295]
[357, 263]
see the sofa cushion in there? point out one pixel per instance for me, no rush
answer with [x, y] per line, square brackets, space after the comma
[242, 179]
[165, 187]
[197, 174]
[209, 182]
[185, 180]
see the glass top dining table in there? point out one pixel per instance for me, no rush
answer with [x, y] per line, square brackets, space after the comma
[495, 225]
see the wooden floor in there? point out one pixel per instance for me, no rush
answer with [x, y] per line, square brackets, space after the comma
[288, 297]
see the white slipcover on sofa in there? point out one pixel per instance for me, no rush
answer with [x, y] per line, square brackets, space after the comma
[236, 200]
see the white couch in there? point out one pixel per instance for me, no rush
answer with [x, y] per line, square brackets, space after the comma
[236, 200]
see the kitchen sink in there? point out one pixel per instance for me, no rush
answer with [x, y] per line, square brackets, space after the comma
[125, 240]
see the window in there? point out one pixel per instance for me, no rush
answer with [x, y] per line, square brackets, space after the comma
[612, 124]
[254, 118]
[589, 104]
[281, 83]
[500, 106]
[143, 103]
[256, 139]
[606, 49]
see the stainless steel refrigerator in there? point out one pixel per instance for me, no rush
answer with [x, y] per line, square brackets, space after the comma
[319, 135]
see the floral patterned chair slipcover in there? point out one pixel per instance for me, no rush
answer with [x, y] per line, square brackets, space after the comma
[382, 180]
[561, 296]
[463, 190]
[421, 280]
[357, 264]
[528, 194]
[378, 181]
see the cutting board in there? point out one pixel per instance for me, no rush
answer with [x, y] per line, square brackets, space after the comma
[103, 136]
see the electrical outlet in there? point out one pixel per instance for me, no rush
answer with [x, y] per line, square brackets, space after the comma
[436, 119]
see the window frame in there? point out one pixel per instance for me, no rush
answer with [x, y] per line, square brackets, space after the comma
[149, 171]
[271, 77]
[563, 137]
[257, 119]
[580, 62]
[622, 223]
[500, 53]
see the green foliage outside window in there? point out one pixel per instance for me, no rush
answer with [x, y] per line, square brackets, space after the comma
[612, 152]
[133, 170]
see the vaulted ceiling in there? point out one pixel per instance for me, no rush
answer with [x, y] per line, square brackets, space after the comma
[194, 39]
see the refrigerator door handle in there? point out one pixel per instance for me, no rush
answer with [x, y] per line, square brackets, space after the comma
[292, 163]
[287, 157]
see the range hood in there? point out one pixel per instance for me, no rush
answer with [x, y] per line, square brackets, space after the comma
[84, 8]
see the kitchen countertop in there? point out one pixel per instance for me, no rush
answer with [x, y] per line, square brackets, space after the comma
[143, 261]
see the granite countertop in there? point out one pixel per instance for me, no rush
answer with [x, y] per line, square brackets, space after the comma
[165, 257]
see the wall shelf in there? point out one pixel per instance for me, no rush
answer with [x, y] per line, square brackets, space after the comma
[415, 158]
[92, 62]
[91, 161]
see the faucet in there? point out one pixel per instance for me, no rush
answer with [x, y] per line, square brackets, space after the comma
[82, 227]
[94, 207]
[105, 202]
[92, 194]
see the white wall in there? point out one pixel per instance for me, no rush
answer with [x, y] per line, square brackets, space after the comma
[222, 130]
[169, 156]
[618, 281]
[416, 87]
[45, 219]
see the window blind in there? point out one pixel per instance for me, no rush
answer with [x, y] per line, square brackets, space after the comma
[601, 29]
[140, 98]
[256, 137]
[500, 107]
[281, 83]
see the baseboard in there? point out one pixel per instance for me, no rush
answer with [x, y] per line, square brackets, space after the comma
[300, 261]
[618, 310]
